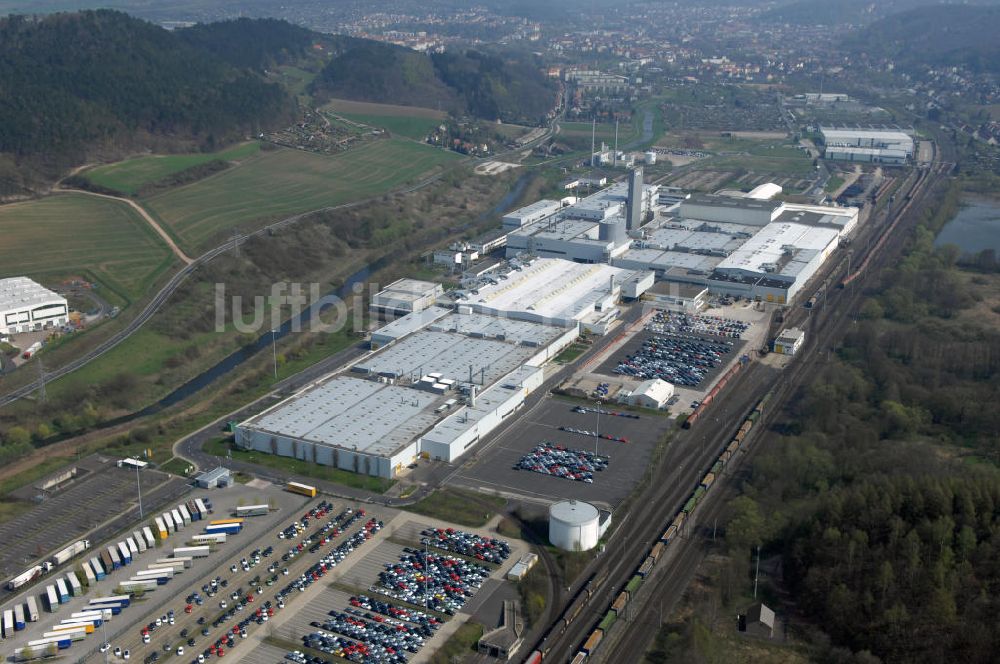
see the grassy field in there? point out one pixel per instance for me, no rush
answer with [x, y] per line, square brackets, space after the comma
[276, 184]
[411, 127]
[342, 106]
[70, 234]
[129, 175]
[306, 469]
[834, 183]
[800, 165]
[460, 645]
[177, 466]
[463, 507]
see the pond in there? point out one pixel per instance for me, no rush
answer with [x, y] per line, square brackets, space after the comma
[975, 227]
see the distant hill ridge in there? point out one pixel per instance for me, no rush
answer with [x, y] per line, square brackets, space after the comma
[484, 85]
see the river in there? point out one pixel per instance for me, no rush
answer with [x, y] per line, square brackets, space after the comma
[976, 226]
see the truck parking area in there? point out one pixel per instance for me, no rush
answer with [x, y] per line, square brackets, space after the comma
[309, 560]
[93, 497]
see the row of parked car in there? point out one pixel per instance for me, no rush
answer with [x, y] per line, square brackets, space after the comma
[441, 583]
[675, 360]
[559, 461]
[475, 546]
[594, 434]
[673, 322]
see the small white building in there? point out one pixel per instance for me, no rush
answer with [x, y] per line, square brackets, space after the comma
[653, 393]
[405, 296]
[789, 341]
[26, 306]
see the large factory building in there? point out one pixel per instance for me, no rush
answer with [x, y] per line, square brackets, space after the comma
[26, 306]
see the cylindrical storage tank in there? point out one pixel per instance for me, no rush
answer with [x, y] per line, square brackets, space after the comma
[650, 157]
[574, 525]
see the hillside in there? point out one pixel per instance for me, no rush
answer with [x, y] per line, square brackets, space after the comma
[483, 85]
[855, 12]
[101, 82]
[961, 35]
[251, 43]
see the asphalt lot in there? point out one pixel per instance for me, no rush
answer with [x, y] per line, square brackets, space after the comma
[634, 345]
[494, 470]
[99, 493]
[169, 595]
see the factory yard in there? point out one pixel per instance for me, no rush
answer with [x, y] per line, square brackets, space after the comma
[295, 566]
[99, 492]
[497, 467]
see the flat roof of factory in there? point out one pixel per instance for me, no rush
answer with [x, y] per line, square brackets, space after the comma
[491, 346]
[782, 248]
[23, 293]
[741, 203]
[372, 417]
[550, 288]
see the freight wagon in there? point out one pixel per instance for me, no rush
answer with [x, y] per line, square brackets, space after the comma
[89, 573]
[213, 538]
[97, 616]
[253, 510]
[161, 528]
[8, 623]
[139, 540]
[25, 577]
[178, 519]
[134, 585]
[40, 645]
[304, 489]
[116, 561]
[19, 617]
[97, 567]
[185, 515]
[147, 533]
[32, 605]
[73, 549]
[63, 591]
[229, 528]
[125, 554]
[75, 587]
[594, 640]
[193, 551]
[202, 507]
[115, 609]
[226, 522]
[168, 519]
[123, 600]
[192, 508]
[133, 548]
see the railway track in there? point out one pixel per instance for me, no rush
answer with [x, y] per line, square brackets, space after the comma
[657, 507]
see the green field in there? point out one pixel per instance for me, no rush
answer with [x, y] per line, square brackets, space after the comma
[79, 234]
[277, 184]
[410, 127]
[801, 165]
[129, 175]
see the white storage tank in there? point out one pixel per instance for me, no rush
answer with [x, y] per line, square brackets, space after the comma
[574, 525]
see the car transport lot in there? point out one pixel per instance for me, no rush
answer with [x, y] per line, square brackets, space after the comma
[275, 578]
[495, 468]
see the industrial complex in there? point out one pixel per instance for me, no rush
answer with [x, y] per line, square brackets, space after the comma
[26, 306]
[864, 144]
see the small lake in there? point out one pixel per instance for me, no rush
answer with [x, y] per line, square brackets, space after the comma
[975, 227]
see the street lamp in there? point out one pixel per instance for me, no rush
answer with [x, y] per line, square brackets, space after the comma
[597, 434]
[138, 486]
[274, 354]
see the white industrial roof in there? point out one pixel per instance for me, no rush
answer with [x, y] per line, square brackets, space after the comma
[352, 413]
[411, 322]
[487, 401]
[832, 134]
[552, 288]
[406, 290]
[764, 192]
[437, 349]
[574, 512]
[654, 388]
[18, 293]
[776, 246]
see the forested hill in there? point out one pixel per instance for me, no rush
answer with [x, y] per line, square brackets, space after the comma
[75, 83]
[483, 85]
[962, 35]
[251, 43]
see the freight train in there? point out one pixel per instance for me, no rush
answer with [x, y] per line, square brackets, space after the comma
[622, 599]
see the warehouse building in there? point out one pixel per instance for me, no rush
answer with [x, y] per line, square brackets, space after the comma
[405, 296]
[557, 292]
[26, 306]
[442, 382]
[866, 144]
[653, 393]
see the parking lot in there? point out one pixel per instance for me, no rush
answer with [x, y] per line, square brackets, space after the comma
[99, 492]
[495, 468]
